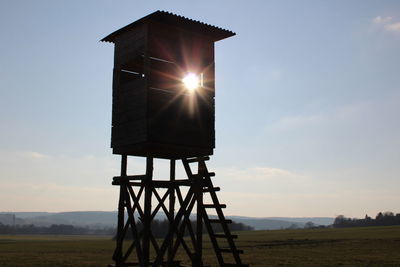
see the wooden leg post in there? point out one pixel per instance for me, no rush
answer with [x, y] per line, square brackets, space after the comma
[147, 211]
[171, 209]
[121, 219]
[199, 217]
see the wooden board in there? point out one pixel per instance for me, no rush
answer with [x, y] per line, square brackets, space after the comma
[152, 111]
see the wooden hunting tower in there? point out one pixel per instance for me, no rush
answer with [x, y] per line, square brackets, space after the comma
[163, 107]
[153, 114]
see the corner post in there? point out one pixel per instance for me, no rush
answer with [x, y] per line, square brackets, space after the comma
[121, 210]
[148, 190]
[171, 208]
[199, 214]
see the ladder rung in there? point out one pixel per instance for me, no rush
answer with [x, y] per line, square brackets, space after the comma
[228, 250]
[197, 159]
[219, 221]
[211, 174]
[209, 206]
[130, 177]
[119, 182]
[212, 189]
[225, 236]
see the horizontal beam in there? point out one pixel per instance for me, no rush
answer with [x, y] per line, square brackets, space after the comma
[197, 176]
[158, 184]
[212, 189]
[129, 178]
[210, 206]
[197, 159]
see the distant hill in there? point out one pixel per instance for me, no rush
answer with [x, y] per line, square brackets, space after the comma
[7, 218]
[266, 223]
[316, 220]
[98, 219]
[23, 215]
[273, 223]
[95, 219]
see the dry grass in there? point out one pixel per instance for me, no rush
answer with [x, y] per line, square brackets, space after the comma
[373, 246]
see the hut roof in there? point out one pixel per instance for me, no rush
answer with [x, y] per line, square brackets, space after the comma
[215, 33]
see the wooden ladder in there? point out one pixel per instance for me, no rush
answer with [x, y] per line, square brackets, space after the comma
[204, 177]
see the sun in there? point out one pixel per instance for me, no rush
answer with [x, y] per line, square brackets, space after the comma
[191, 81]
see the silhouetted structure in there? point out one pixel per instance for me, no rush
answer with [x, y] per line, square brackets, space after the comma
[157, 113]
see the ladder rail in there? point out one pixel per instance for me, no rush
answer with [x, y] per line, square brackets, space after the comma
[221, 216]
[205, 175]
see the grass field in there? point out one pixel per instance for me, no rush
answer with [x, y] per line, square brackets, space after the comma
[372, 246]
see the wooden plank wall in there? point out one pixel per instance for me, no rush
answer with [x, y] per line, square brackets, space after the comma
[179, 117]
[129, 123]
[150, 104]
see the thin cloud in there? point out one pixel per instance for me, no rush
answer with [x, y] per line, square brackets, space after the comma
[260, 174]
[394, 27]
[293, 122]
[386, 23]
[56, 197]
[379, 19]
[353, 112]
[83, 169]
[32, 155]
[273, 172]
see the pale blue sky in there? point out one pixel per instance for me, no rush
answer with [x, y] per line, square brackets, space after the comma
[307, 105]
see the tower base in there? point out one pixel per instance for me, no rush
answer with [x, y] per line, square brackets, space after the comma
[142, 198]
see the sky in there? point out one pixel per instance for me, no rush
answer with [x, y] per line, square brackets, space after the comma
[307, 105]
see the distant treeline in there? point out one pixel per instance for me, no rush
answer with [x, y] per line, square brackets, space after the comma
[159, 229]
[381, 219]
[55, 229]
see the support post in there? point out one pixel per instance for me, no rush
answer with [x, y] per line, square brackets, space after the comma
[146, 220]
[199, 217]
[171, 209]
[121, 210]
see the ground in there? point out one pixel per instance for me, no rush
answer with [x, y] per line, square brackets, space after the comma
[369, 246]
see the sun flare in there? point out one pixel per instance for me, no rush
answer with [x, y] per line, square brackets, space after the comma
[191, 81]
